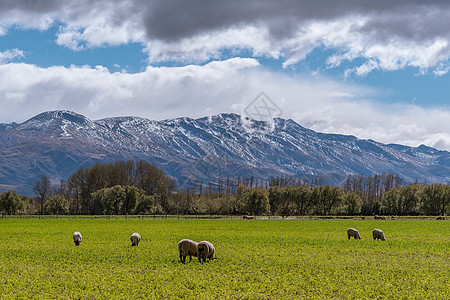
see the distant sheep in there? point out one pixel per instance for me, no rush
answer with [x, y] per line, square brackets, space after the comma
[187, 247]
[205, 250]
[77, 238]
[363, 218]
[440, 218]
[135, 239]
[352, 232]
[392, 217]
[378, 234]
[247, 217]
[377, 217]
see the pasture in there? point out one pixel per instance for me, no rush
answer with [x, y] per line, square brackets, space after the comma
[256, 259]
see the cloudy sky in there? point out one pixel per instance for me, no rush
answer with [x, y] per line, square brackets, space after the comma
[374, 69]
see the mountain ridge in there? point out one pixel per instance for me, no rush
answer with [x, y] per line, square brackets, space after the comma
[57, 143]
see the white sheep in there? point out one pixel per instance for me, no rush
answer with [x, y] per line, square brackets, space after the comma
[205, 250]
[440, 218]
[352, 232]
[187, 247]
[77, 238]
[378, 234]
[135, 239]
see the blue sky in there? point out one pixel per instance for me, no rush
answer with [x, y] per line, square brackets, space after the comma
[374, 70]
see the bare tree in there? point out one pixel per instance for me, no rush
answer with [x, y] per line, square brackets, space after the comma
[42, 190]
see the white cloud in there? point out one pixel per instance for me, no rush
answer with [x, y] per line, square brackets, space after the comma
[209, 45]
[319, 103]
[11, 54]
[156, 93]
[442, 69]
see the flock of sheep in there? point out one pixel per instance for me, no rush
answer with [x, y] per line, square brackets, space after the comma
[377, 234]
[204, 250]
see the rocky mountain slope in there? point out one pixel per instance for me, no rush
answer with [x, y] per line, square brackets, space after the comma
[57, 143]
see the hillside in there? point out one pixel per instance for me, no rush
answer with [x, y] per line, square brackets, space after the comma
[57, 143]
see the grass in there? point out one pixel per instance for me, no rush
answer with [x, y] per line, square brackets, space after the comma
[257, 259]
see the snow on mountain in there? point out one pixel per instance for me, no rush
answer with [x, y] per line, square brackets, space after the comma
[57, 143]
[7, 126]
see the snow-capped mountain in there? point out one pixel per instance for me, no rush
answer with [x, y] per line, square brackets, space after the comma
[57, 143]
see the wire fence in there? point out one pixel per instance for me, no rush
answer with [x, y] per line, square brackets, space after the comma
[210, 217]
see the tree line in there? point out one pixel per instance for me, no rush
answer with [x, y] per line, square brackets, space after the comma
[129, 187]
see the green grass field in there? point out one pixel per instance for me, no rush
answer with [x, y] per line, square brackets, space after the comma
[257, 259]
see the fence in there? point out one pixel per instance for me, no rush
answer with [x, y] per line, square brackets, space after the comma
[205, 217]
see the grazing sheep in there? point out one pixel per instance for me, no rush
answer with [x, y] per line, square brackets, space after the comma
[187, 247]
[135, 239]
[363, 218]
[77, 238]
[352, 232]
[205, 250]
[378, 234]
[377, 217]
[247, 217]
[440, 218]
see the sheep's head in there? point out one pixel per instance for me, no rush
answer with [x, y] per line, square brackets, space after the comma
[202, 249]
[77, 243]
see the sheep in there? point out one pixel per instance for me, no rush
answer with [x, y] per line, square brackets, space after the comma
[77, 238]
[392, 217]
[135, 239]
[363, 217]
[378, 234]
[352, 232]
[205, 250]
[440, 218]
[187, 247]
[377, 217]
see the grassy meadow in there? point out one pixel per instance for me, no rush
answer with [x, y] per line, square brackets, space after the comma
[256, 259]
